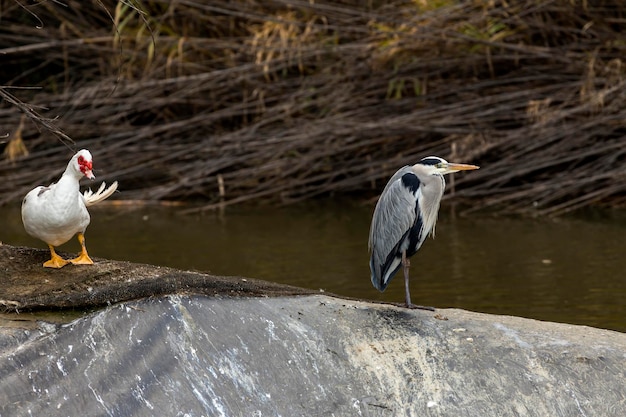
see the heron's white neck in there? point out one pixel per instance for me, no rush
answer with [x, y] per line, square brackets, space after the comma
[432, 193]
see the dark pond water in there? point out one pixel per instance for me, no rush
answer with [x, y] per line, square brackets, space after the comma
[569, 270]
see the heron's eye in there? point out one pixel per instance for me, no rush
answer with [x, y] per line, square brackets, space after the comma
[439, 165]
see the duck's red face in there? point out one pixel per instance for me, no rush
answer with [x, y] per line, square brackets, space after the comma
[85, 165]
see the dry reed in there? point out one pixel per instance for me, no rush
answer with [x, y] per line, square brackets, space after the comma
[282, 101]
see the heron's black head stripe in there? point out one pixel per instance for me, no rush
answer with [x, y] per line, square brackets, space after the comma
[411, 182]
[431, 161]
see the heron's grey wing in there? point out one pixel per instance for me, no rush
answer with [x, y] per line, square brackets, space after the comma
[394, 217]
[376, 218]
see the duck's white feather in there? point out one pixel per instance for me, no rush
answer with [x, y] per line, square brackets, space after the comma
[56, 213]
[92, 198]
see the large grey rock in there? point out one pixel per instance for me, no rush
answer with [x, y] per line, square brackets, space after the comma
[308, 355]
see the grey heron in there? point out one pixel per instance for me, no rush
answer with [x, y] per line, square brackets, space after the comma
[404, 216]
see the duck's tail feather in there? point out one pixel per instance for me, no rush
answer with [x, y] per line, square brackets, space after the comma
[92, 198]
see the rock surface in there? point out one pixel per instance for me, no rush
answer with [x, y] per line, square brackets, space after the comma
[231, 354]
[25, 285]
[308, 356]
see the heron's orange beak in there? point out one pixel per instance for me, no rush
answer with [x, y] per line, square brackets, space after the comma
[461, 167]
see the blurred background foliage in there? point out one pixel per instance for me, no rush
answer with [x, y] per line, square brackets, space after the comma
[224, 102]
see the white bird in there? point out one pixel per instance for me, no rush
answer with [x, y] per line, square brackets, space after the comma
[56, 213]
[404, 216]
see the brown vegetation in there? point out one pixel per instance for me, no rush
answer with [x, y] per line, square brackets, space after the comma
[232, 101]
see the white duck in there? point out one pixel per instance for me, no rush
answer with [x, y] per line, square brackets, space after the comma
[56, 213]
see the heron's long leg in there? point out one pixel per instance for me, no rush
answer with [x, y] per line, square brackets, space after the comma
[405, 267]
[406, 263]
[55, 260]
[83, 258]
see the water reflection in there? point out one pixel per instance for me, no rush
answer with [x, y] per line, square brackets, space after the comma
[567, 270]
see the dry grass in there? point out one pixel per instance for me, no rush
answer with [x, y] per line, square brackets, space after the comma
[282, 101]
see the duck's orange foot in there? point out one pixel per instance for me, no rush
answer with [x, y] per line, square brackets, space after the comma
[82, 259]
[55, 262]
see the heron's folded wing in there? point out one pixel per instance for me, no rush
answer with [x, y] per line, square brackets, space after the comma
[393, 218]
